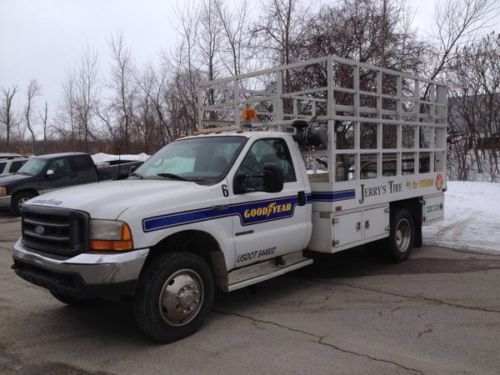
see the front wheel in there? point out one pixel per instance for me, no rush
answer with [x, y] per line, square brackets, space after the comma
[18, 199]
[402, 236]
[174, 296]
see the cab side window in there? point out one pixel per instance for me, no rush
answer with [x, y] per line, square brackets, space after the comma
[60, 167]
[268, 151]
[2, 166]
[14, 167]
[81, 164]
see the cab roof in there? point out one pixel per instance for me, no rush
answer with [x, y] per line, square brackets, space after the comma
[246, 133]
[60, 154]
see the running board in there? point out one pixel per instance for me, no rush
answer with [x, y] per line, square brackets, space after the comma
[256, 273]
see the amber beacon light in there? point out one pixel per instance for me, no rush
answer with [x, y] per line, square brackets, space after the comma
[249, 114]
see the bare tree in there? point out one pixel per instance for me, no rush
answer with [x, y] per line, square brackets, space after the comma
[154, 85]
[44, 118]
[209, 37]
[458, 21]
[6, 111]
[80, 100]
[87, 96]
[124, 88]
[474, 141]
[233, 26]
[279, 28]
[32, 91]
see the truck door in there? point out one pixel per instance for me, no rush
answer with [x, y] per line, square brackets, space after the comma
[268, 224]
[57, 175]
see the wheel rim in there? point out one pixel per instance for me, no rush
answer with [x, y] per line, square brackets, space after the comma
[402, 235]
[181, 297]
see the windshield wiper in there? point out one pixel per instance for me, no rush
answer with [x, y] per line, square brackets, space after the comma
[172, 176]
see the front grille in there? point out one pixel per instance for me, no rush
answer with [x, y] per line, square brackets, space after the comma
[55, 230]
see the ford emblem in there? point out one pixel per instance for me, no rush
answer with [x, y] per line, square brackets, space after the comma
[39, 230]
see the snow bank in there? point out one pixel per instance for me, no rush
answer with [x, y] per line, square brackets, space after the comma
[472, 218]
[103, 158]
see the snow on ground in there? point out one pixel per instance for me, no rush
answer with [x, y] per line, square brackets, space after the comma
[472, 218]
[103, 158]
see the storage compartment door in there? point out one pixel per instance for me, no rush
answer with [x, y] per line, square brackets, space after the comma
[347, 229]
[433, 209]
[376, 222]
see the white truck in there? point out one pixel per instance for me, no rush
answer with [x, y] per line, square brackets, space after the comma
[277, 168]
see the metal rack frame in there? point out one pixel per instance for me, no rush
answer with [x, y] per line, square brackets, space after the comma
[395, 98]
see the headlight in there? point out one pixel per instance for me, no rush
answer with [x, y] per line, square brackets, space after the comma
[110, 235]
[3, 191]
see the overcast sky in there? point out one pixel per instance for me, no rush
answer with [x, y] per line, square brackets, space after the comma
[43, 39]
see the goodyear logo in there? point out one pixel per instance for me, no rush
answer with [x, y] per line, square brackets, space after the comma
[268, 211]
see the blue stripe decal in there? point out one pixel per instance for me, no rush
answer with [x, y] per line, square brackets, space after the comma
[249, 213]
[333, 196]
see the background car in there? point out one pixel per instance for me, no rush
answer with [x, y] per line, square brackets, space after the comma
[11, 166]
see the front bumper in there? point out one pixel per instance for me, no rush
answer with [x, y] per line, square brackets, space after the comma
[89, 274]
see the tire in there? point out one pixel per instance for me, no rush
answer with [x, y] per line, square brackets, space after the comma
[402, 236]
[18, 199]
[174, 296]
[72, 300]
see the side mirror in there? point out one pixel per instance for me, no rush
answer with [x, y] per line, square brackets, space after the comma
[271, 181]
[273, 178]
[49, 173]
[133, 169]
[239, 184]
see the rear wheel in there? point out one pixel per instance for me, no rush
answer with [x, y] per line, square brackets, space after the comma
[18, 199]
[174, 296]
[402, 236]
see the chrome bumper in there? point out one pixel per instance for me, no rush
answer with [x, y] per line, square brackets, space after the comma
[94, 269]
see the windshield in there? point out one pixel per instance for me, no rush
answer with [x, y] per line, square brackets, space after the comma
[32, 167]
[204, 159]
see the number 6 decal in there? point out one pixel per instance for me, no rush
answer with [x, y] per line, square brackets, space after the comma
[225, 192]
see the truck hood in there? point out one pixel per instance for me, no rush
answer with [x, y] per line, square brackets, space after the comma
[10, 179]
[107, 200]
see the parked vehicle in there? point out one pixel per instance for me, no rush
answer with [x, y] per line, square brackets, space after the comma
[11, 166]
[10, 155]
[332, 167]
[118, 169]
[49, 172]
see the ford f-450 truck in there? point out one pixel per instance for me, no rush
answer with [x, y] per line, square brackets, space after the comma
[274, 171]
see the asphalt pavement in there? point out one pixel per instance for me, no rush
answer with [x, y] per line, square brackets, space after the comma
[437, 313]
